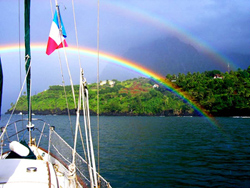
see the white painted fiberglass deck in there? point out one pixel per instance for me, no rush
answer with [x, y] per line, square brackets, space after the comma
[26, 172]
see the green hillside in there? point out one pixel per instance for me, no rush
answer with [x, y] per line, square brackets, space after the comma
[219, 93]
[222, 94]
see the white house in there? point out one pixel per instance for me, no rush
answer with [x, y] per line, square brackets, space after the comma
[155, 86]
[110, 82]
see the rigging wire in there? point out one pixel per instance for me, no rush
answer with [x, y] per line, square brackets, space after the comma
[14, 108]
[98, 110]
[82, 92]
[72, 87]
[51, 8]
[77, 45]
[65, 54]
[63, 82]
[65, 94]
[79, 105]
[19, 37]
[19, 44]
[81, 76]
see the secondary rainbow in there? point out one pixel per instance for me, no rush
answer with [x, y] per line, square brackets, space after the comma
[110, 58]
[170, 27]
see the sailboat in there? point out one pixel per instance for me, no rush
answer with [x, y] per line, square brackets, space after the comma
[37, 155]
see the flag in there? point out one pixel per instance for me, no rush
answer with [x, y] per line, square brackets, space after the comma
[56, 39]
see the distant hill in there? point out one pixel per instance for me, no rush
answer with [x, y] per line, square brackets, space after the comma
[171, 56]
[167, 56]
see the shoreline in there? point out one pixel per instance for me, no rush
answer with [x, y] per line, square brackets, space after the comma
[227, 113]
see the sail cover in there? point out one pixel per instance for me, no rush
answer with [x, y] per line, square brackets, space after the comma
[27, 52]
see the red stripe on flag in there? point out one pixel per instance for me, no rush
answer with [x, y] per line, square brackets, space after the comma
[52, 45]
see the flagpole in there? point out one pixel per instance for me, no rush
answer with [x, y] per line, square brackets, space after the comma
[59, 20]
[72, 167]
[61, 35]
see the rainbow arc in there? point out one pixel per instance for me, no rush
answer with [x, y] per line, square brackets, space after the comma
[110, 58]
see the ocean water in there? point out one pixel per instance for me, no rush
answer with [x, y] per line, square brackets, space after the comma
[161, 152]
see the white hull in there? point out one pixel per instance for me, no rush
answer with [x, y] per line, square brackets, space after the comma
[36, 173]
[48, 168]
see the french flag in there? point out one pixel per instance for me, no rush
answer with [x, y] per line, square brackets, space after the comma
[56, 39]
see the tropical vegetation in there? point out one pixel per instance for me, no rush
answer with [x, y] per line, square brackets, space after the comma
[222, 94]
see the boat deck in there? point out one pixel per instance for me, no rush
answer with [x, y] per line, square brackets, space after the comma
[27, 172]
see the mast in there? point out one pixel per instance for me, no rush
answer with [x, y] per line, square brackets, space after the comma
[27, 61]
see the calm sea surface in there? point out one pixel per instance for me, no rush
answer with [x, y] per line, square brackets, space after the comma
[161, 152]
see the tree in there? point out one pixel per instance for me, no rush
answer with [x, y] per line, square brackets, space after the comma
[248, 70]
[169, 76]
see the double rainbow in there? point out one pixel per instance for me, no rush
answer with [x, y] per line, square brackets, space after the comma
[162, 23]
[110, 58]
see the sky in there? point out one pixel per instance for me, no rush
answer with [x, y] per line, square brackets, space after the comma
[209, 25]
